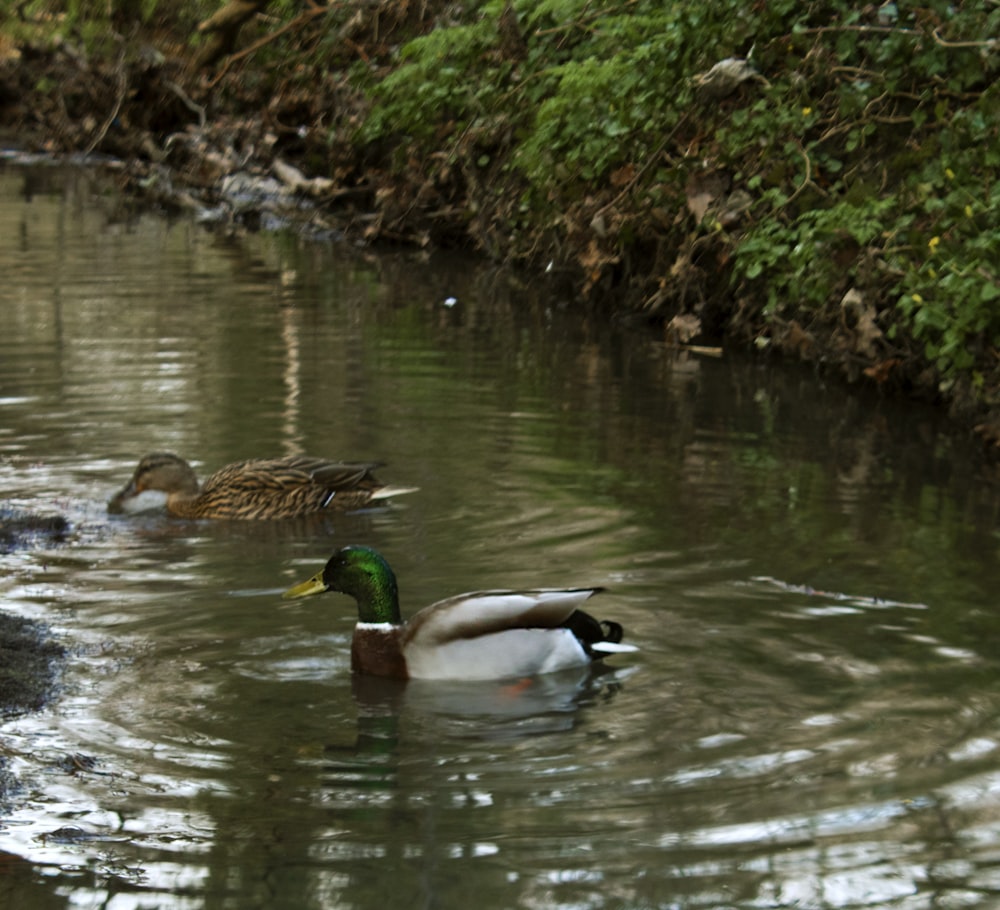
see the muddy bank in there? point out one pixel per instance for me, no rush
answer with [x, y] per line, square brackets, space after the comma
[31, 663]
[20, 529]
[31, 660]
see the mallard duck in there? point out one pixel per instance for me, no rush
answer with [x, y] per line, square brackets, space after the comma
[260, 488]
[481, 635]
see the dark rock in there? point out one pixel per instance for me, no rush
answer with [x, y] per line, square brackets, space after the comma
[19, 529]
[30, 668]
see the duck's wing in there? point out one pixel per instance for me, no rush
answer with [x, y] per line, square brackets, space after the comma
[481, 613]
[495, 635]
[286, 487]
[336, 475]
[293, 472]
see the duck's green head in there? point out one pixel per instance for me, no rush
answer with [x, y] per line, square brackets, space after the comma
[364, 574]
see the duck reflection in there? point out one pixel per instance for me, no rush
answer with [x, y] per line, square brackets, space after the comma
[487, 710]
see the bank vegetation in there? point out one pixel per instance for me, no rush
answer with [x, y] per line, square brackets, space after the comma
[817, 180]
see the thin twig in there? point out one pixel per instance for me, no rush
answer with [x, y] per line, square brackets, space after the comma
[650, 161]
[299, 20]
[889, 29]
[873, 29]
[116, 110]
[807, 180]
[989, 42]
[187, 102]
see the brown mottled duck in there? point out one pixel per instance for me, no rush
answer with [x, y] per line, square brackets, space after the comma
[481, 635]
[260, 488]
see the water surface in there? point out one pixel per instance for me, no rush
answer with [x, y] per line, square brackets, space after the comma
[810, 572]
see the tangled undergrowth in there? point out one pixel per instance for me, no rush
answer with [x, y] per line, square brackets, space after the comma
[815, 179]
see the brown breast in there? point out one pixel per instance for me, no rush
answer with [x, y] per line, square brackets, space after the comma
[377, 652]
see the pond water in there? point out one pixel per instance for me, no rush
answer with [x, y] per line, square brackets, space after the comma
[810, 572]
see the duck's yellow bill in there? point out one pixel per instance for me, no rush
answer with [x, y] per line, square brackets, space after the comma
[315, 585]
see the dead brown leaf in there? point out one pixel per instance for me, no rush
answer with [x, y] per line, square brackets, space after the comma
[703, 189]
[881, 371]
[623, 176]
[797, 340]
[858, 317]
[683, 327]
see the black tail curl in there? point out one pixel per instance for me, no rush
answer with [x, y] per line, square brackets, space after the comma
[590, 631]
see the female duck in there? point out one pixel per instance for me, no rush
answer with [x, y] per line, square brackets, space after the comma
[482, 635]
[261, 488]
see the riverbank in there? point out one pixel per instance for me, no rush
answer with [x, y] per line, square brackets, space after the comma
[819, 190]
[31, 659]
[31, 664]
